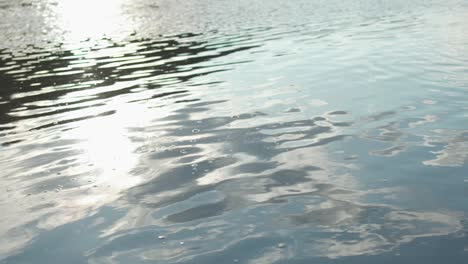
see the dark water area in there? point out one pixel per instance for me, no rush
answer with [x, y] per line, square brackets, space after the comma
[138, 131]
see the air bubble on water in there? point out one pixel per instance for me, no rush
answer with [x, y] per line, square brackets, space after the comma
[429, 102]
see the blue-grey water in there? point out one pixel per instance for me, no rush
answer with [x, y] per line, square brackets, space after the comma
[249, 131]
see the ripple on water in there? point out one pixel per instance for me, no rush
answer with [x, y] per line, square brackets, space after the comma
[276, 136]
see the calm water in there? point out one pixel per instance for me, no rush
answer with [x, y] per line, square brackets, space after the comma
[251, 131]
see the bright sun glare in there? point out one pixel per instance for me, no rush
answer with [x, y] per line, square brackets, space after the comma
[89, 18]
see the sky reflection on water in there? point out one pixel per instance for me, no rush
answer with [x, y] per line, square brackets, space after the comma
[250, 132]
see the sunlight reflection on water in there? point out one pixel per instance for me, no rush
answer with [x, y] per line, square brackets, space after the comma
[248, 130]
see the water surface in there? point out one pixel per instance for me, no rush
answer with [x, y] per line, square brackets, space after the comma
[138, 131]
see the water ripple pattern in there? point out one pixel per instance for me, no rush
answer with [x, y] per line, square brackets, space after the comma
[138, 131]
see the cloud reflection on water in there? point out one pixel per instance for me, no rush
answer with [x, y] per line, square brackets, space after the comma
[191, 136]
